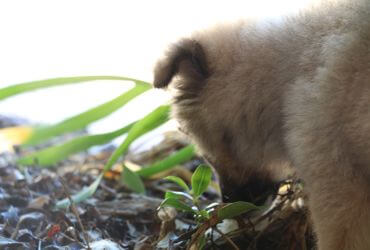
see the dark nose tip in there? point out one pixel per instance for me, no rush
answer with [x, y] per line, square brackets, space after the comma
[256, 191]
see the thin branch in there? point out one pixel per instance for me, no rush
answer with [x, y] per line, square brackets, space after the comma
[74, 210]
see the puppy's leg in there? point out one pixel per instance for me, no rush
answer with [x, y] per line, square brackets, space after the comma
[338, 188]
[328, 134]
[338, 191]
[341, 212]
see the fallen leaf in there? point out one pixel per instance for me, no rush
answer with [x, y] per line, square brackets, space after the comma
[12, 136]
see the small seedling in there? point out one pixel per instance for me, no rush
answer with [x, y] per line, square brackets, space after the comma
[188, 201]
[200, 180]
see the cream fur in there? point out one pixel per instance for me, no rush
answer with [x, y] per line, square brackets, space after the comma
[258, 100]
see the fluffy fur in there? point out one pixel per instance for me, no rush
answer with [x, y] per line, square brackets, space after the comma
[257, 98]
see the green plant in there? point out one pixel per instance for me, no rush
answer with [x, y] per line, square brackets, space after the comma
[48, 157]
[188, 201]
[199, 183]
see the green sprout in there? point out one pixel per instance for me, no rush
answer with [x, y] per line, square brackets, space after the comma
[208, 216]
[200, 180]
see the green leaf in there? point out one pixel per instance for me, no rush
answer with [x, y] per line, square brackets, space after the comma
[181, 156]
[154, 119]
[80, 121]
[178, 195]
[52, 155]
[175, 203]
[132, 180]
[200, 179]
[30, 86]
[204, 214]
[234, 209]
[82, 195]
[178, 181]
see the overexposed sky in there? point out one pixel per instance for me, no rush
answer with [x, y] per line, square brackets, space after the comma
[45, 38]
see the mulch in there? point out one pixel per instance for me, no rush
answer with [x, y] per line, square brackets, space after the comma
[116, 218]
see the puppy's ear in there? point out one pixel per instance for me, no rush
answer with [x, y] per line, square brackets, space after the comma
[187, 57]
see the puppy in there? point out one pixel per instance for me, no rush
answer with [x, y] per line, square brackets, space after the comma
[259, 97]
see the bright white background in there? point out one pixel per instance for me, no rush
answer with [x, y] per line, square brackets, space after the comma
[46, 39]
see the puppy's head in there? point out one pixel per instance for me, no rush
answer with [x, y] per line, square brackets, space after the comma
[197, 69]
[207, 73]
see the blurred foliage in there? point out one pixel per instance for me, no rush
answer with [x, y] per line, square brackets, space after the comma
[50, 156]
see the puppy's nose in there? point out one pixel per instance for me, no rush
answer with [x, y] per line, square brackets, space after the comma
[256, 191]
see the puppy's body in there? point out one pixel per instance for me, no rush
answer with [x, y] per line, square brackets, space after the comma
[257, 98]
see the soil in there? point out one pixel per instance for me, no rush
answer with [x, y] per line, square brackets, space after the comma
[116, 218]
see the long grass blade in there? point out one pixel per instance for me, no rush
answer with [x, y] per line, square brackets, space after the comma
[151, 121]
[52, 155]
[34, 85]
[146, 124]
[80, 121]
[181, 156]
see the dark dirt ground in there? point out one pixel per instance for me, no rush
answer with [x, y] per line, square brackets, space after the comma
[116, 218]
